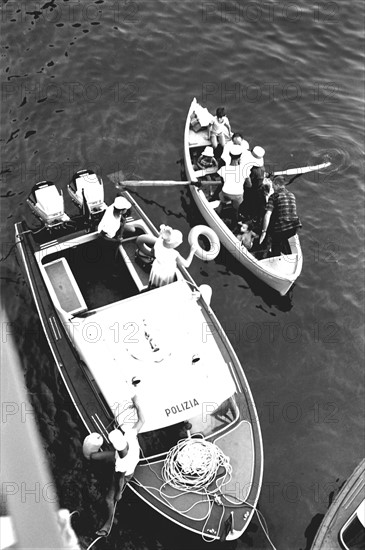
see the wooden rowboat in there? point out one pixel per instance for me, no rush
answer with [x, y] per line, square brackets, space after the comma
[279, 272]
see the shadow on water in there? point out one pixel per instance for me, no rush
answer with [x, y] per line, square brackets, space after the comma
[312, 530]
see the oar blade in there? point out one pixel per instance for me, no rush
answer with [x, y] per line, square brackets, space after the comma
[116, 177]
[302, 170]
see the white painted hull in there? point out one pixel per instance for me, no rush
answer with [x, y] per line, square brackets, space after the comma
[279, 273]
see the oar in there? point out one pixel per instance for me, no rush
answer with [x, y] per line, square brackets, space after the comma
[152, 183]
[300, 171]
[120, 183]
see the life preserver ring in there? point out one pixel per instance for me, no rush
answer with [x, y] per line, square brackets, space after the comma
[214, 244]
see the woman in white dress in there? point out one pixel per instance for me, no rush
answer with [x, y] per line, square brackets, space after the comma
[167, 259]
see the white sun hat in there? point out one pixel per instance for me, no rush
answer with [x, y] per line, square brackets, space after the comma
[122, 203]
[208, 152]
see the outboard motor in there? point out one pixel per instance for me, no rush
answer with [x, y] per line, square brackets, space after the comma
[46, 202]
[87, 186]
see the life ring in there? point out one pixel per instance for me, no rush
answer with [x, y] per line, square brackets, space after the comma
[214, 244]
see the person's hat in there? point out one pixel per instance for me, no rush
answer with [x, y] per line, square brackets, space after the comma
[235, 151]
[121, 203]
[172, 238]
[118, 440]
[208, 152]
[258, 152]
[92, 444]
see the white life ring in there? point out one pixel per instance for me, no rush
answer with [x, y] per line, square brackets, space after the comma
[214, 244]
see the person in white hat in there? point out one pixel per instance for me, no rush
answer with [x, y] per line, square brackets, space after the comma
[206, 159]
[123, 460]
[112, 228]
[167, 259]
[237, 139]
[113, 222]
[234, 176]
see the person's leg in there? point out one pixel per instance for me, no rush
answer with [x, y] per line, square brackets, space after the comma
[129, 230]
[285, 246]
[122, 481]
[236, 202]
[221, 140]
[213, 141]
[113, 496]
[276, 244]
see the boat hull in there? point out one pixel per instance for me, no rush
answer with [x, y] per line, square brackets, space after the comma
[279, 273]
[343, 507]
[62, 321]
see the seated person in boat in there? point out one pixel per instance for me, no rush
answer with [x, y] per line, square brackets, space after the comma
[246, 236]
[113, 223]
[122, 462]
[281, 219]
[164, 267]
[206, 161]
[218, 128]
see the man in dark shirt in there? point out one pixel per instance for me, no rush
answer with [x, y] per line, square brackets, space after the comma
[281, 214]
[254, 203]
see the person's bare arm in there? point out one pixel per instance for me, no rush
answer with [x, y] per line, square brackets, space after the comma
[141, 420]
[265, 225]
[186, 263]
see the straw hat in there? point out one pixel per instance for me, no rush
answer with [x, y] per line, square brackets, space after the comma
[121, 203]
[118, 440]
[208, 152]
[172, 238]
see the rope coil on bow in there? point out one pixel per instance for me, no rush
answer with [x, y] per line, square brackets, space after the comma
[195, 464]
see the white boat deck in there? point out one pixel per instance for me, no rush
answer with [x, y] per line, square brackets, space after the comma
[154, 336]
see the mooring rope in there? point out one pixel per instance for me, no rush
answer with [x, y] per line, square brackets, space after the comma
[193, 464]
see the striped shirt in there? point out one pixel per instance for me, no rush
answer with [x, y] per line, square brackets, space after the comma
[284, 211]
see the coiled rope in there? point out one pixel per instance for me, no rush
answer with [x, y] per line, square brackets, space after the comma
[188, 475]
[193, 464]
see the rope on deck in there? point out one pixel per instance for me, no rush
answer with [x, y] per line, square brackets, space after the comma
[195, 464]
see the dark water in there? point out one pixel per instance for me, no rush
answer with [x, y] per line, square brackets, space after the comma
[106, 85]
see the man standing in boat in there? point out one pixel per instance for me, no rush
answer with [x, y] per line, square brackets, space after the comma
[281, 214]
[112, 227]
[237, 139]
[123, 461]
